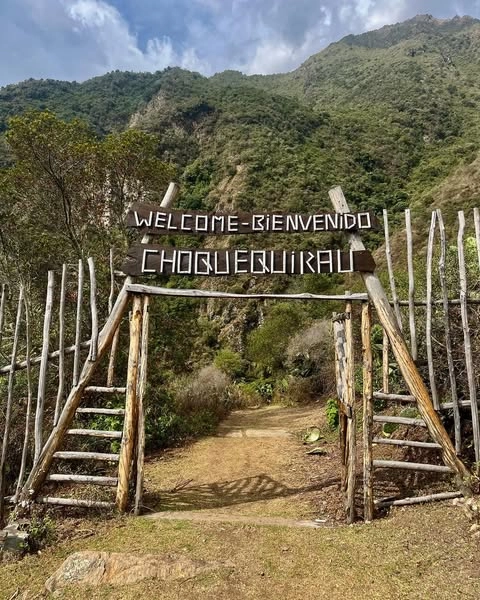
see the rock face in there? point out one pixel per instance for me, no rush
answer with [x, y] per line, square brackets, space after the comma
[100, 568]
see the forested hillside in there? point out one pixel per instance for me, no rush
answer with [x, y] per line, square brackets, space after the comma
[390, 115]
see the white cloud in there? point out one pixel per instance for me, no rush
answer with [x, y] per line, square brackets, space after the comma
[78, 39]
[119, 48]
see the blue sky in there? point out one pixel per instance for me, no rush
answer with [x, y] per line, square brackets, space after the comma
[78, 39]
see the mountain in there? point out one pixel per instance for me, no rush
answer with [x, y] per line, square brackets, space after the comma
[389, 115]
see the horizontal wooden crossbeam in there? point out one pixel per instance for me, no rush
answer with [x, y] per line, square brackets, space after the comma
[136, 288]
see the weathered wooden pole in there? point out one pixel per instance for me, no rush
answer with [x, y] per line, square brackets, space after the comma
[40, 470]
[42, 376]
[61, 345]
[131, 409]
[351, 438]
[142, 385]
[8, 411]
[339, 336]
[368, 505]
[404, 359]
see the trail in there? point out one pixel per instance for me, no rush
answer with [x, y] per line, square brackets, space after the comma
[256, 467]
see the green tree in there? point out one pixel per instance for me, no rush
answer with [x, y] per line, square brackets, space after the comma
[68, 191]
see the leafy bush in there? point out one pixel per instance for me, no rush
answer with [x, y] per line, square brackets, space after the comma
[332, 413]
[231, 363]
[266, 345]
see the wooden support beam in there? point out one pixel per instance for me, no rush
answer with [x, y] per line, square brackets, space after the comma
[394, 397]
[3, 299]
[39, 472]
[428, 332]
[472, 387]
[385, 364]
[410, 466]
[142, 386]
[339, 334]
[419, 499]
[85, 479]
[74, 502]
[98, 389]
[404, 359]
[131, 409]
[391, 276]
[78, 324]
[36, 360]
[407, 443]
[93, 310]
[96, 433]
[103, 456]
[28, 412]
[367, 412]
[448, 337]
[61, 346]
[351, 437]
[411, 286]
[101, 411]
[137, 288]
[42, 377]
[399, 421]
[8, 409]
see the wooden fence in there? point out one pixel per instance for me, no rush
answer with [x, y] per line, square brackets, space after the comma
[33, 372]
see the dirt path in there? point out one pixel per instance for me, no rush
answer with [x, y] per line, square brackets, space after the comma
[255, 467]
[224, 490]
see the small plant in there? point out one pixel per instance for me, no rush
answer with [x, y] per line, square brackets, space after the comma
[332, 413]
[41, 532]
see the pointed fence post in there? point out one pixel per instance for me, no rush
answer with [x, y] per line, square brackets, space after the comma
[367, 412]
[404, 359]
[131, 409]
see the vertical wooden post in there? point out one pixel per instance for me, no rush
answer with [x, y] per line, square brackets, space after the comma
[28, 412]
[2, 311]
[391, 276]
[411, 285]
[61, 346]
[466, 335]
[385, 364]
[350, 407]
[8, 411]
[428, 333]
[367, 412]
[142, 384]
[78, 324]
[131, 409]
[114, 348]
[476, 219]
[406, 364]
[93, 311]
[448, 337]
[42, 375]
[339, 335]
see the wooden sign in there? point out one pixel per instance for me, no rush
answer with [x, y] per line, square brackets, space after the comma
[150, 259]
[153, 219]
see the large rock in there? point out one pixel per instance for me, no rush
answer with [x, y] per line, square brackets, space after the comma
[113, 568]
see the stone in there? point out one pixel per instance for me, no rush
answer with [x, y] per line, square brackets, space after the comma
[113, 568]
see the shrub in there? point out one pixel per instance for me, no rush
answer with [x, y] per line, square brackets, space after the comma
[231, 363]
[332, 413]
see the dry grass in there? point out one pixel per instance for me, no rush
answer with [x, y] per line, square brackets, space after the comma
[422, 553]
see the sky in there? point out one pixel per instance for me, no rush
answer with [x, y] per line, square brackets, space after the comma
[79, 39]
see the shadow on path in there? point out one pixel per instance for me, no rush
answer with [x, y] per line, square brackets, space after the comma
[227, 493]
